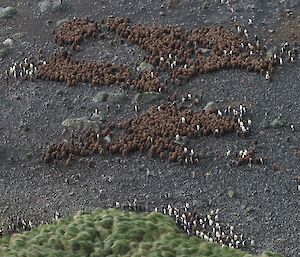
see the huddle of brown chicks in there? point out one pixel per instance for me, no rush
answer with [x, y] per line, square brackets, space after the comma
[148, 81]
[182, 53]
[247, 157]
[73, 32]
[62, 68]
[87, 143]
[185, 53]
[159, 130]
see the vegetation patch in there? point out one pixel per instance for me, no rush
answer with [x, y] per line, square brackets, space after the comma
[113, 233]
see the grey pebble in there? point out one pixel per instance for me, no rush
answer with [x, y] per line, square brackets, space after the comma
[150, 172]
[231, 193]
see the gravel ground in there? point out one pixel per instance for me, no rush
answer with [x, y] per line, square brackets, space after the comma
[266, 202]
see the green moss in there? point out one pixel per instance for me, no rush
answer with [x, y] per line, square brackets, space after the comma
[54, 243]
[86, 247]
[17, 241]
[41, 239]
[120, 247]
[102, 232]
[270, 254]
[74, 244]
[113, 233]
[71, 231]
[84, 236]
[145, 246]
[123, 227]
[135, 234]
[107, 223]
[98, 252]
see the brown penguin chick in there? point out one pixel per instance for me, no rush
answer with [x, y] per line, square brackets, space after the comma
[68, 162]
[83, 153]
[180, 160]
[53, 155]
[90, 163]
[77, 48]
[125, 152]
[172, 157]
[47, 158]
[101, 152]
[161, 155]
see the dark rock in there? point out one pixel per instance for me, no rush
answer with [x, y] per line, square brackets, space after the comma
[145, 66]
[3, 102]
[60, 22]
[150, 173]
[271, 52]
[8, 43]
[7, 12]
[54, 5]
[278, 123]
[4, 50]
[100, 97]
[100, 116]
[117, 97]
[24, 126]
[210, 106]
[15, 97]
[49, 22]
[265, 124]
[231, 193]
[82, 123]
[250, 210]
[59, 92]
[147, 97]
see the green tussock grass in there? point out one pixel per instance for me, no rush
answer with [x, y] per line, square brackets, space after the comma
[111, 233]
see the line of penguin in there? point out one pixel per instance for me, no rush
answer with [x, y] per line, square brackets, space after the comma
[19, 224]
[207, 226]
